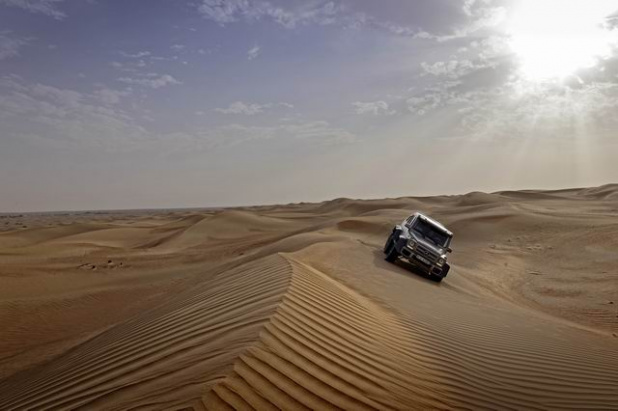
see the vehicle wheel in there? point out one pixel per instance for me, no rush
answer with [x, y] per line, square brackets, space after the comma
[391, 253]
[388, 243]
[436, 278]
[445, 270]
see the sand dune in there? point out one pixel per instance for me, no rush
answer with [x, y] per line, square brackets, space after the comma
[186, 344]
[293, 307]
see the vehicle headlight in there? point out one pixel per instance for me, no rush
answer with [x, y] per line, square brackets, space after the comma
[411, 244]
[441, 262]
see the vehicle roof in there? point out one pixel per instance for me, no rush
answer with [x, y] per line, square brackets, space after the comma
[434, 222]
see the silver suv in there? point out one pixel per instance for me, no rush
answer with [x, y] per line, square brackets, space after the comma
[422, 241]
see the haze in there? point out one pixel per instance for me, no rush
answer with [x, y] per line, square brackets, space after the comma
[213, 103]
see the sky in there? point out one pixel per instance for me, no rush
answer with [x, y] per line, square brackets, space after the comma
[207, 103]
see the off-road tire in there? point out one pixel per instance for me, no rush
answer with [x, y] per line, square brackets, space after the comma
[445, 271]
[391, 252]
[388, 243]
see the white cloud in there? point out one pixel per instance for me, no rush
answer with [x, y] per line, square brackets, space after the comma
[467, 6]
[250, 109]
[47, 7]
[320, 131]
[66, 98]
[132, 64]
[222, 11]
[239, 107]
[10, 45]
[151, 80]
[129, 66]
[451, 68]
[373, 107]
[489, 53]
[109, 96]
[254, 52]
[520, 109]
[53, 115]
[137, 55]
[481, 14]
[134, 61]
[470, 7]
[433, 97]
[313, 132]
[423, 104]
[229, 11]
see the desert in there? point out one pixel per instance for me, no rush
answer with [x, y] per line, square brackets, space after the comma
[308, 205]
[293, 307]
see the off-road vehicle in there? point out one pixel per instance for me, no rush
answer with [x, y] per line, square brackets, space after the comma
[422, 241]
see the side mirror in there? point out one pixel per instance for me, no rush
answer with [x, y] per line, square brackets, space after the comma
[449, 250]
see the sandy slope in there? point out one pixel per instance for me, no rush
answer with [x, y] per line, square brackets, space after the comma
[293, 307]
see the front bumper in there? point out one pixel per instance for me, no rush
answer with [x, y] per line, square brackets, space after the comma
[430, 268]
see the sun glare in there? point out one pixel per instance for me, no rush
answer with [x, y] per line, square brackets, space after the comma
[554, 38]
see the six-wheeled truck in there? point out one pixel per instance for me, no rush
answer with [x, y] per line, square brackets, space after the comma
[423, 242]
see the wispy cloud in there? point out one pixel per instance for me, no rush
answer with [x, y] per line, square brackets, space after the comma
[10, 44]
[136, 55]
[518, 108]
[47, 7]
[151, 80]
[229, 11]
[60, 117]
[109, 96]
[433, 97]
[375, 108]
[319, 131]
[53, 115]
[480, 14]
[309, 132]
[239, 107]
[452, 68]
[250, 109]
[254, 52]
[132, 65]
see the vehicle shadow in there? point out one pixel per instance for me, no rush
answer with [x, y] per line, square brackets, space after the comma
[379, 261]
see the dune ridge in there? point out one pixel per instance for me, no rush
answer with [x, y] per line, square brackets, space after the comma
[327, 347]
[177, 344]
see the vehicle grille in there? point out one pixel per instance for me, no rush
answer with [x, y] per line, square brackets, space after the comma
[427, 253]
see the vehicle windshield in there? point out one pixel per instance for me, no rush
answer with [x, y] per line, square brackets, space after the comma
[431, 233]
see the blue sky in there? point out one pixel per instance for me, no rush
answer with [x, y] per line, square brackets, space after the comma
[213, 102]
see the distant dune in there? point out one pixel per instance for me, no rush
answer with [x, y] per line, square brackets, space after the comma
[294, 307]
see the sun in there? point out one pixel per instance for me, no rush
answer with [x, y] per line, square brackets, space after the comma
[554, 38]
